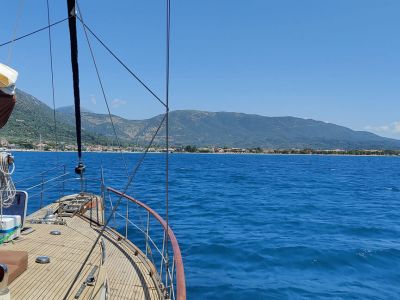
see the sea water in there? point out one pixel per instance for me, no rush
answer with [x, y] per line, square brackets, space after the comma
[264, 226]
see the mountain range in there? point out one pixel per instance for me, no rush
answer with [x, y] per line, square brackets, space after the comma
[32, 118]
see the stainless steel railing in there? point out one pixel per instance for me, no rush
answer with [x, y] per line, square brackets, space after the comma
[171, 273]
[146, 229]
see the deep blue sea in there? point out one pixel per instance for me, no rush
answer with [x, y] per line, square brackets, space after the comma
[265, 226]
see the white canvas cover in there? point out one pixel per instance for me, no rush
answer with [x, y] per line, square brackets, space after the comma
[8, 76]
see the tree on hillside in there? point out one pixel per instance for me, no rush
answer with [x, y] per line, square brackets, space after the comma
[190, 148]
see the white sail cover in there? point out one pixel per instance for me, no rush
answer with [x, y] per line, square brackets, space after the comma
[8, 78]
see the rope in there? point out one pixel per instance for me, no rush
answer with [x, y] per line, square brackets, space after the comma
[7, 187]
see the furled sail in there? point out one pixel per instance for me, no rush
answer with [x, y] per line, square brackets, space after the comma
[8, 78]
[75, 76]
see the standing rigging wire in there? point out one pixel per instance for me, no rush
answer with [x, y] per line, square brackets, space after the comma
[168, 31]
[73, 37]
[122, 63]
[19, 15]
[33, 32]
[52, 79]
[102, 89]
[80, 17]
[114, 209]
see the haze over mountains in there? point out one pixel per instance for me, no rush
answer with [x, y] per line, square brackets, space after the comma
[32, 118]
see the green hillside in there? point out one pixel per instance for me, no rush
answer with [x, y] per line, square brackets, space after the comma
[32, 118]
[201, 128]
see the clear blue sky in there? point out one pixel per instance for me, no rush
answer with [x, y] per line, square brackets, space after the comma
[335, 60]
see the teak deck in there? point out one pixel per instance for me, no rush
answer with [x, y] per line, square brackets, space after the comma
[127, 273]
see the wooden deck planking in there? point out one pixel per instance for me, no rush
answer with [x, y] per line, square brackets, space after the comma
[127, 276]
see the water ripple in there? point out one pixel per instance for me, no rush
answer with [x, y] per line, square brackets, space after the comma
[272, 226]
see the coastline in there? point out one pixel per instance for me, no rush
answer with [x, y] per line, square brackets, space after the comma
[208, 153]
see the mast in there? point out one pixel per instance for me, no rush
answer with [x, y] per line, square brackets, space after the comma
[75, 75]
